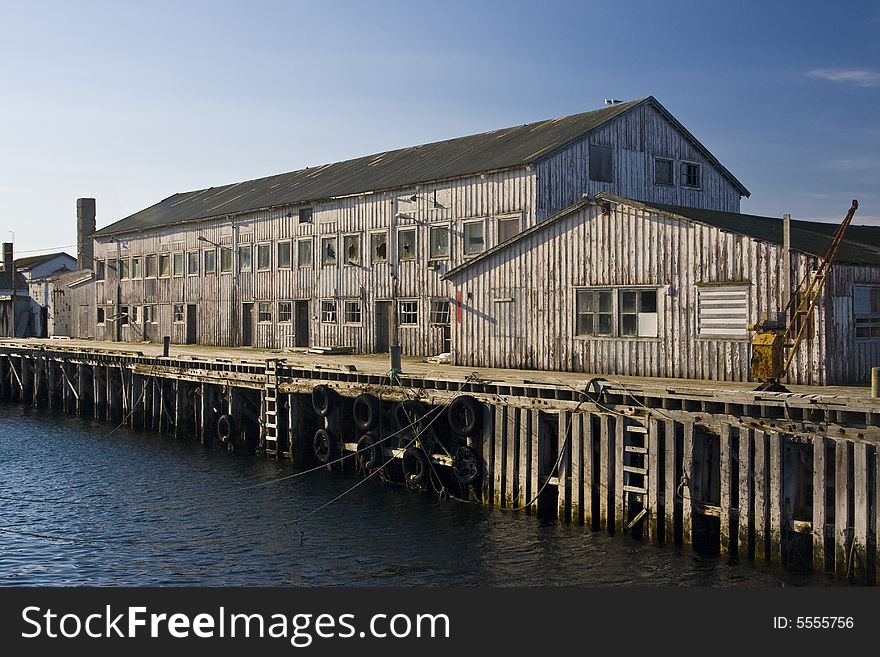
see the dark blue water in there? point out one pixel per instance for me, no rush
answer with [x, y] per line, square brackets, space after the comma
[78, 507]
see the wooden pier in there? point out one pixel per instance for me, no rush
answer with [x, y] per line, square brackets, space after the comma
[788, 478]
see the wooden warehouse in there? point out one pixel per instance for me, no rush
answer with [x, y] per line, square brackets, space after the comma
[317, 257]
[616, 286]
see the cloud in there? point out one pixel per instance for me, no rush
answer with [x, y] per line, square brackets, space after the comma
[857, 76]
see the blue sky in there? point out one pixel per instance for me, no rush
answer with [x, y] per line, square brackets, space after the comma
[130, 102]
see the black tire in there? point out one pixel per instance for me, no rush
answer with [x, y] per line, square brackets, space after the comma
[369, 455]
[410, 415]
[403, 440]
[465, 415]
[415, 467]
[467, 465]
[225, 428]
[323, 446]
[323, 399]
[366, 412]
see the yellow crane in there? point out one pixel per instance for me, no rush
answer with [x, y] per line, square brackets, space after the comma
[774, 347]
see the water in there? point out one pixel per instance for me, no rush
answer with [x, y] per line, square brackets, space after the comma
[140, 510]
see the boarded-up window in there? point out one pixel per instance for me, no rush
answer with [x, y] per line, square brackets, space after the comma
[723, 311]
[866, 311]
[601, 163]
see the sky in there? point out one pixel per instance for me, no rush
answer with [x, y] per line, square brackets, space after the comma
[130, 102]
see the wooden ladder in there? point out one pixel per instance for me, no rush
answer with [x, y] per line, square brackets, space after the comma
[635, 470]
[270, 398]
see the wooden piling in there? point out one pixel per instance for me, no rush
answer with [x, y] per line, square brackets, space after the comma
[511, 455]
[745, 505]
[577, 464]
[687, 471]
[670, 494]
[564, 470]
[654, 480]
[842, 540]
[775, 529]
[500, 425]
[606, 472]
[861, 510]
[588, 468]
[487, 436]
[525, 458]
[728, 485]
[535, 466]
[618, 476]
[762, 509]
[820, 513]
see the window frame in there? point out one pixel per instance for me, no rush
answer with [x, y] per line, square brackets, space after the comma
[189, 255]
[264, 248]
[151, 270]
[432, 311]
[616, 315]
[639, 292]
[671, 162]
[174, 268]
[373, 259]
[869, 320]
[124, 267]
[329, 315]
[443, 228]
[242, 249]
[278, 247]
[100, 315]
[351, 238]
[593, 152]
[213, 253]
[402, 313]
[683, 182]
[175, 313]
[166, 258]
[100, 270]
[306, 215]
[136, 272]
[264, 312]
[311, 243]
[288, 312]
[464, 237]
[508, 219]
[345, 312]
[227, 249]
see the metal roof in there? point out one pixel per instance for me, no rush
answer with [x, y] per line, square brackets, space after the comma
[488, 151]
[860, 245]
[32, 261]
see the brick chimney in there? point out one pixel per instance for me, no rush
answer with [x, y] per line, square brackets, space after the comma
[85, 226]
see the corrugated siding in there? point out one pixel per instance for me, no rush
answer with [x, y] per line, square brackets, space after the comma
[628, 247]
[636, 138]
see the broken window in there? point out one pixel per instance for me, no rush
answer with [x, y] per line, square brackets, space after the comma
[328, 311]
[245, 253]
[409, 312]
[474, 237]
[285, 311]
[439, 242]
[264, 311]
[638, 313]
[378, 247]
[101, 315]
[439, 311]
[328, 251]
[406, 244]
[663, 171]
[601, 163]
[164, 265]
[690, 175]
[351, 246]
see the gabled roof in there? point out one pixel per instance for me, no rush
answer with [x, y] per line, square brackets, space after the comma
[34, 261]
[860, 245]
[488, 151]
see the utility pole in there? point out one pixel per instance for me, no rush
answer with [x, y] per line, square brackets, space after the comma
[394, 338]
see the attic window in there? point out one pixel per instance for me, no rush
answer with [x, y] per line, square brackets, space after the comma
[305, 215]
[663, 171]
[601, 163]
[690, 175]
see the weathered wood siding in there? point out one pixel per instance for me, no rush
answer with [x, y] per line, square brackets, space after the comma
[533, 326]
[220, 296]
[636, 138]
[850, 358]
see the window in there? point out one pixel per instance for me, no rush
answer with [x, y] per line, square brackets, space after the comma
[638, 313]
[409, 312]
[192, 263]
[209, 259]
[304, 252]
[328, 311]
[136, 270]
[866, 311]
[226, 260]
[438, 242]
[378, 248]
[264, 256]
[663, 171]
[601, 163]
[439, 311]
[285, 311]
[594, 312]
[149, 314]
[149, 266]
[351, 249]
[100, 270]
[101, 316]
[179, 313]
[283, 255]
[305, 215]
[245, 253]
[508, 227]
[352, 311]
[474, 237]
[406, 244]
[123, 315]
[177, 264]
[123, 268]
[164, 265]
[723, 311]
[264, 311]
[328, 251]
[134, 314]
[690, 175]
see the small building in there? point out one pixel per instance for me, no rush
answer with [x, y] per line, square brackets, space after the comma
[39, 272]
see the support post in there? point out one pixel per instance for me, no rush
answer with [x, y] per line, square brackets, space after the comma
[820, 513]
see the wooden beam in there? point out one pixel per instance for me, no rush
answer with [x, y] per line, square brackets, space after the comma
[606, 473]
[563, 472]
[670, 494]
[511, 480]
[820, 513]
[687, 469]
[761, 505]
[617, 474]
[861, 518]
[728, 538]
[774, 497]
[842, 540]
[576, 485]
[746, 492]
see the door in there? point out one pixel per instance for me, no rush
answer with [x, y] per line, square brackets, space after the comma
[191, 336]
[247, 325]
[383, 319]
[447, 338]
[301, 325]
[84, 330]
